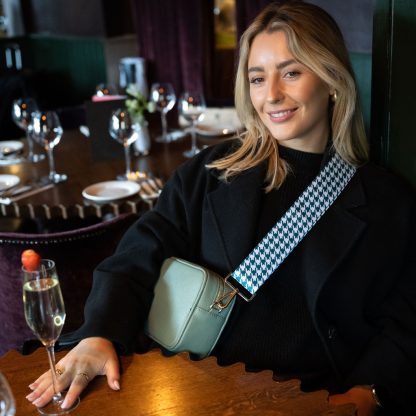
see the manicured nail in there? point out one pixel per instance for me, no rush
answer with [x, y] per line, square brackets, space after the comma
[36, 402]
[116, 385]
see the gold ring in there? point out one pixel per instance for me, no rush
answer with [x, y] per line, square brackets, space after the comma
[58, 371]
[86, 377]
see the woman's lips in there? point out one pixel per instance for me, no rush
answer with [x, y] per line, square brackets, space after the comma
[280, 116]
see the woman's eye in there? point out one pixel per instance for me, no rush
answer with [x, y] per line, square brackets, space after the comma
[256, 80]
[292, 74]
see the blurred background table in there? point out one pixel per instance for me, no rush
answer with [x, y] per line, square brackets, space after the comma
[74, 156]
[156, 385]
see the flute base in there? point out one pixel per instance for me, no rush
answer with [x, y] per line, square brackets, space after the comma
[191, 152]
[35, 157]
[53, 408]
[54, 178]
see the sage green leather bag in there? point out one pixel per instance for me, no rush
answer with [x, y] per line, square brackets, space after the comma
[190, 308]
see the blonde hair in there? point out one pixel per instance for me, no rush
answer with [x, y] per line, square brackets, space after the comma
[315, 40]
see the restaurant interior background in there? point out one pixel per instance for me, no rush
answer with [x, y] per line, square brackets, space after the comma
[61, 50]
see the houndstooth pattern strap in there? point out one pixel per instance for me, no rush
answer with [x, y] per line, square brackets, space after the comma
[294, 224]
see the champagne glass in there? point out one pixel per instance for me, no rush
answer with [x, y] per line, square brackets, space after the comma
[163, 95]
[45, 316]
[191, 107]
[47, 131]
[7, 404]
[21, 115]
[121, 129]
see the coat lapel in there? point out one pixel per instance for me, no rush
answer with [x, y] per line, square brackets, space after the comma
[332, 238]
[235, 208]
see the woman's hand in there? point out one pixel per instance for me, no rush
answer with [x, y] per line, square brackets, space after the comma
[360, 396]
[91, 357]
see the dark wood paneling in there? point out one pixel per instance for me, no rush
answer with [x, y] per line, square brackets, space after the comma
[394, 89]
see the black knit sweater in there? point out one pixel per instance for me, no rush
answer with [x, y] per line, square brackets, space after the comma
[275, 330]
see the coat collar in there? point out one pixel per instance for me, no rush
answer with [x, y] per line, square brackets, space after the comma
[235, 205]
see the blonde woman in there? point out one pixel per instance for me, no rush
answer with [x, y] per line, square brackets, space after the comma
[339, 313]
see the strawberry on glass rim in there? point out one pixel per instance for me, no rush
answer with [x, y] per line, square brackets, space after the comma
[31, 260]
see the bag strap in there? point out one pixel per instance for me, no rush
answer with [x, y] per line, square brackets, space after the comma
[287, 233]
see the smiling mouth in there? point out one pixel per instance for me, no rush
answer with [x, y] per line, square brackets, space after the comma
[283, 115]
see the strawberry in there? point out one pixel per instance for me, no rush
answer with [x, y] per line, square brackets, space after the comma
[31, 260]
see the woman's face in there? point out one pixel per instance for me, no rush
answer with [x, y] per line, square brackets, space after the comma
[291, 100]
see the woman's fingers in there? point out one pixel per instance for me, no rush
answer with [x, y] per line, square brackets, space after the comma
[112, 371]
[43, 388]
[91, 357]
[78, 384]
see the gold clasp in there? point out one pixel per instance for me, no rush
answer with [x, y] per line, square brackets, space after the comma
[223, 301]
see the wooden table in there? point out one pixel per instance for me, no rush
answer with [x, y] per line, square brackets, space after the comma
[156, 385]
[75, 158]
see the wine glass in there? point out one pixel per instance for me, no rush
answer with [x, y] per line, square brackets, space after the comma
[191, 107]
[7, 404]
[45, 316]
[163, 95]
[21, 115]
[47, 131]
[121, 129]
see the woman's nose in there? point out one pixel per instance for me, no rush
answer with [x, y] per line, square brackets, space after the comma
[275, 91]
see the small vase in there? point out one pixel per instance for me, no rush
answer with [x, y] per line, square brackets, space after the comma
[142, 143]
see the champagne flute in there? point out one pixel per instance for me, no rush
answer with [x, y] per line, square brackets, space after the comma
[7, 404]
[191, 107]
[45, 316]
[47, 131]
[121, 129]
[21, 115]
[163, 95]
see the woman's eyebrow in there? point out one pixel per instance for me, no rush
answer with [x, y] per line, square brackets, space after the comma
[255, 69]
[279, 66]
[285, 63]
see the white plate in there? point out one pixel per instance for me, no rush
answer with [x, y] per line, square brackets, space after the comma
[7, 181]
[218, 130]
[13, 146]
[110, 191]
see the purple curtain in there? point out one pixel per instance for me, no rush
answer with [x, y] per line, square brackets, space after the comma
[246, 11]
[176, 38]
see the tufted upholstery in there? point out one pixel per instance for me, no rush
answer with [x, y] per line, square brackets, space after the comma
[76, 253]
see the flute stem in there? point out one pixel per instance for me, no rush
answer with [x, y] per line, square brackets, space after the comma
[51, 356]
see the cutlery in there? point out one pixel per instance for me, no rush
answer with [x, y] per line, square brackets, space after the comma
[23, 192]
[10, 189]
[6, 152]
[150, 190]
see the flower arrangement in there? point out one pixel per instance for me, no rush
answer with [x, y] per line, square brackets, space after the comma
[137, 104]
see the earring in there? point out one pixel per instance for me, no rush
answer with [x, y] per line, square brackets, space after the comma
[334, 96]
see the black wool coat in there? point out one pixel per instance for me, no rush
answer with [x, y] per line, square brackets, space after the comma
[359, 262]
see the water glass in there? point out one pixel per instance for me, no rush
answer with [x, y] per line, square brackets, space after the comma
[122, 129]
[164, 98]
[21, 114]
[47, 131]
[192, 107]
[7, 404]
